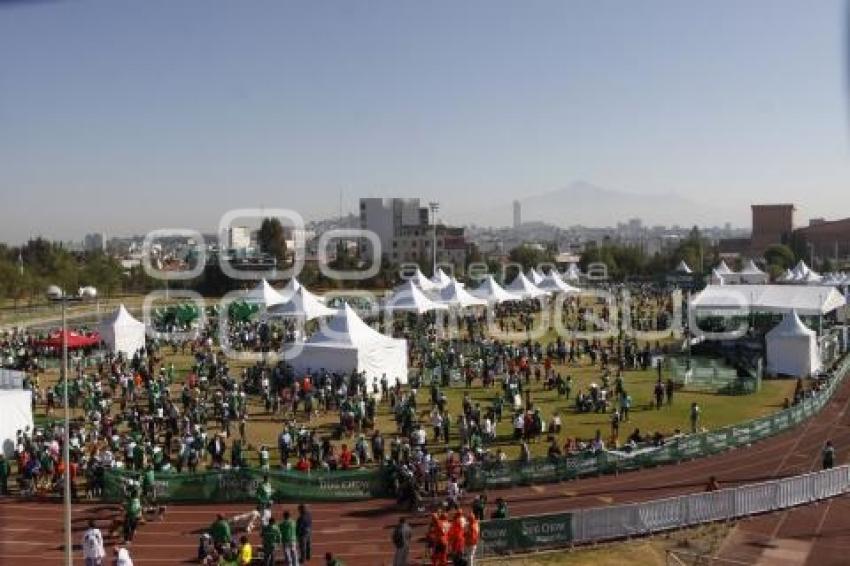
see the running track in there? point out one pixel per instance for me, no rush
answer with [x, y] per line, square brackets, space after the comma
[359, 533]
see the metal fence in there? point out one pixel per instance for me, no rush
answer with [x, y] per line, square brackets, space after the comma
[637, 519]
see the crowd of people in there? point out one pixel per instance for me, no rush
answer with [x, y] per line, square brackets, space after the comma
[142, 415]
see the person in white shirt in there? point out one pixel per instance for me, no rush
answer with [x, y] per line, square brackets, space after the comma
[93, 550]
[122, 557]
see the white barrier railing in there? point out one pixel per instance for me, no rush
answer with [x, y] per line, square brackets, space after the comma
[635, 519]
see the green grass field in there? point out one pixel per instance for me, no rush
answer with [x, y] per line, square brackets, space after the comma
[717, 410]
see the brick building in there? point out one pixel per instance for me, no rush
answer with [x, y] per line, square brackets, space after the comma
[772, 224]
[825, 239]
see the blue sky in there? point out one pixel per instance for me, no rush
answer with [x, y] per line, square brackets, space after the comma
[129, 116]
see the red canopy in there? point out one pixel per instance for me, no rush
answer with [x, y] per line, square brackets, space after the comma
[75, 340]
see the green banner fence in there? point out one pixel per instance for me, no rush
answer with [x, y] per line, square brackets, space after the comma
[241, 485]
[507, 536]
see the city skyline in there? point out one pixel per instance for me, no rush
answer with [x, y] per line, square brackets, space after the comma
[473, 104]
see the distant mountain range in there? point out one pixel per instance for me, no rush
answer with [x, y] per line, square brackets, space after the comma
[582, 203]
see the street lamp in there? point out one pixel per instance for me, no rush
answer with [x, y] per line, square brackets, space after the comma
[434, 206]
[66, 444]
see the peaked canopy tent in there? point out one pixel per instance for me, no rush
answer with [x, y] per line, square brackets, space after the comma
[716, 278]
[456, 296]
[303, 304]
[810, 278]
[440, 279]
[553, 282]
[750, 274]
[723, 269]
[123, 333]
[421, 281]
[727, 274]
[792, 348]
[493, 293]
[534, 276]
[264, 295]
[786, 277]
[525, 289]
[683, 268]
[805, 300]
[290, 289]
[348, 344]
[572, 273]
[408, 297]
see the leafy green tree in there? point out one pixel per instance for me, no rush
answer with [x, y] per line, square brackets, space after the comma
[529, 256]
[272, 239]
[780, 255]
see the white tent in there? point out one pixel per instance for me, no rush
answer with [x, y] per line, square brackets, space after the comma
[800, 270]
[572, 273]
[716, 278]
[408, 297]
[723, 269]
[290, 289]
[492, 292]
[347, 343]
[440, 279]
[792, 348]
[683, 268]
[553, 282]
[806, 300]
[534, 276]
[303, 304]
[456, 296]
[810, 278]
[752, 275]
[264, 295]
[16, 408]
[524, 288]
[422, 282]
[786, 277]
[122, 333]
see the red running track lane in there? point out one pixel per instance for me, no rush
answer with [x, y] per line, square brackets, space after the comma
[359, 533]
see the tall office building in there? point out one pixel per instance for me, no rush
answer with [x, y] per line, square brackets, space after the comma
[95, 242]
[517, 214]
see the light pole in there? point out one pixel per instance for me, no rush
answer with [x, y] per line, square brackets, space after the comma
[66, 445]
[434, 206]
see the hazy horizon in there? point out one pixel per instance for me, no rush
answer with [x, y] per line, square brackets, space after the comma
[123, 118]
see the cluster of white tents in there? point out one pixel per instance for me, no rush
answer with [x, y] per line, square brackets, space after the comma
[802, 274]
[420, 294]
[750, 274]
[346, 342]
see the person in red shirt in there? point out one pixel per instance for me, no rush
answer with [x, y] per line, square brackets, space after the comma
[457, 536]
[303, 464]
[440, 556]
[345, 457]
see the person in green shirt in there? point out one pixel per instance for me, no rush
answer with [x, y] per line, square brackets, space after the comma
[289, 537]
[148, 479]
[264, 495]
[5, 472]
[271, 540]
[132, 514]
[501, 511]
[220, 531]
